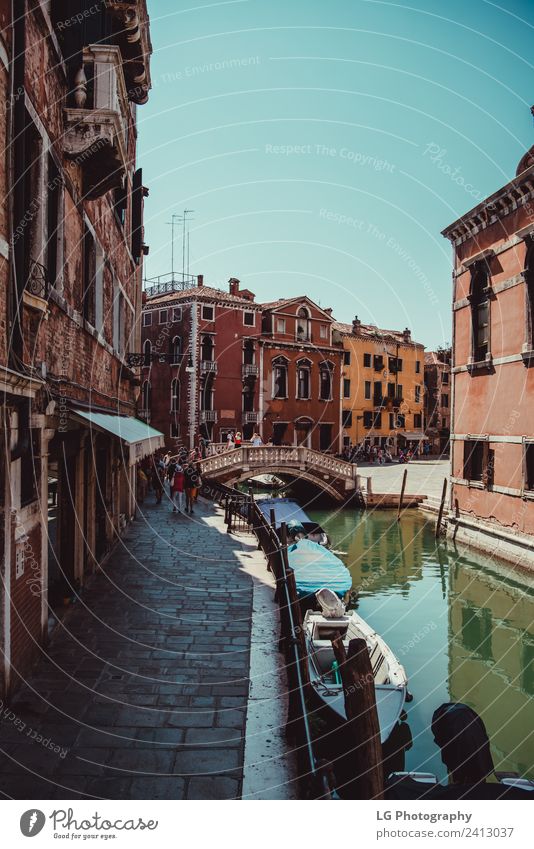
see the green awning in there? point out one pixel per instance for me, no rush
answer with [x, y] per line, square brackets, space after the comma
[142, 439]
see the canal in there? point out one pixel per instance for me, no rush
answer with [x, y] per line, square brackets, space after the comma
[462, 625]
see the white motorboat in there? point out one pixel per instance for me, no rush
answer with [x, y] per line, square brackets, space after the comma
[390, 679]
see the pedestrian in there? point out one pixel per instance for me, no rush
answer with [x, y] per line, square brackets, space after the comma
[177, 489]
[142, 484]
[230, 441]
[167, 459]
[256, 440]
[158, 473]
[192, 483]
[238, 439]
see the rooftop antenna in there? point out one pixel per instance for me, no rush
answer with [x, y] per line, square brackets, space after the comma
[185, 230]
[173, 217]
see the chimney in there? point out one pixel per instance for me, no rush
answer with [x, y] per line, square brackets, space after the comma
[234, 285]
[200, 280]
[144, 297]
[328, 311]
[407, 335]
[356, 325]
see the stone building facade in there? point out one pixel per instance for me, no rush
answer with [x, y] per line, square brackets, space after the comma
[215, 362]
[438, 399]
[492, 439]
[382, 386]
[71, 244]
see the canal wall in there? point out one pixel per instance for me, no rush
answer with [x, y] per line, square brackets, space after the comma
[515, 548]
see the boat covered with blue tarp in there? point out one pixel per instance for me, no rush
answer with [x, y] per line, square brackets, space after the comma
[316, 567]
[297, 521]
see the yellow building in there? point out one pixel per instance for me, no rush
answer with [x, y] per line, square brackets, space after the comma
[382, 386]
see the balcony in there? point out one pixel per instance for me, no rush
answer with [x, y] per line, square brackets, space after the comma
[96, 122]
[251, 418]
[37, 287]
[250, 370]
[208, 416]
[208, 367]
[133, 38]
[379, 401]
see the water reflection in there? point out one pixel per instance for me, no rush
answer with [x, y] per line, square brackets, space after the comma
[462, 626]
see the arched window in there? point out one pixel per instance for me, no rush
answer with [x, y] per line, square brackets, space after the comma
[176, 350]
[480, 313]
[146, 396]
[248, 353]
[207, 349]
[147, 352]
[303, 333]
[325, 381]
[529, 281]
[303, 379]
[175, 395]
[280, 377]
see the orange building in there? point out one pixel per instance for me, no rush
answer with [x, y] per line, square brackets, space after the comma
[492, 436]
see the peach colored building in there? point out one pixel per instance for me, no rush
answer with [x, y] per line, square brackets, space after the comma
[492, 439]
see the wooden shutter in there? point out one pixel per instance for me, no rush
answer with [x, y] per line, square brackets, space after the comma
[137, 215]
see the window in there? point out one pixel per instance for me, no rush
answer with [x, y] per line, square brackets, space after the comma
[418, 394]
[146, 396]
[176, 313]
[391, 390]
[206, 352]
[529, 466]
[480, 311]
[163, 315]
[446, 377]
[347, 418]
[249, 319]
[418, 366]
[394, 364]
[400, 395]
[280, 325]
[89, 275]
[249, 353]
[367, 390]
[119, 316]
[377, 421]
[325, 382]
[444, 424]
[378, 362]
[175, 430]
[120, 203]
[323, 331]
[367, 360]
[346, 387]
[392, 421]
[303, 379]
[54, 220]
[30, 469]
[208, 313]
[377, 392]
[367, 419]
[444, 400]
[418, 421]
[303, 324]
[280, 377]
[147, 319]
[147, 353]
[175, 395]
[474, 451]
[401, 421]
[176, 350]
[346, 358]
[325, 437]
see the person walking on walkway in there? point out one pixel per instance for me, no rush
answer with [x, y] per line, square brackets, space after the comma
[238, 439]
[158, 474]
[177, 490]
[192, 482]
[256, 440]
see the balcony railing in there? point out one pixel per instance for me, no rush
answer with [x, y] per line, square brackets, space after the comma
[38, 283]
[166, 284]
[96, 120]
[208, 415]
[251, 417]
[250, 370]
[208, 366]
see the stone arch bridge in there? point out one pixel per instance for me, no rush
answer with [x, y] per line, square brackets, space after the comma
[334, 477]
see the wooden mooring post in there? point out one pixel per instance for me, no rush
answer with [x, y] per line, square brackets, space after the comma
[441, 506]
[363, 747]
[403, 487]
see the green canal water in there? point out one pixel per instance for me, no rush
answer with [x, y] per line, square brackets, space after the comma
[461, 623]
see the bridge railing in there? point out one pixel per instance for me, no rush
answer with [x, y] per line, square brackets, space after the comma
[265, 456]
[313, 777]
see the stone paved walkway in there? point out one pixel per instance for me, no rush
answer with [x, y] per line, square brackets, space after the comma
[143, 691]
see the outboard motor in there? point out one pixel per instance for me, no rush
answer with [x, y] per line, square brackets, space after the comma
[465, 748]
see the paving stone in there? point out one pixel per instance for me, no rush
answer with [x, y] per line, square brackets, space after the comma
[206, 761]
[213, 788]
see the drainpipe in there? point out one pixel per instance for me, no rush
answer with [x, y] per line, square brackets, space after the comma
[16, 161]
[452, 441]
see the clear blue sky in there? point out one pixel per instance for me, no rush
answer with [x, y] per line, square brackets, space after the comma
[325, 145]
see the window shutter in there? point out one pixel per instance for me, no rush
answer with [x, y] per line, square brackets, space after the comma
[468, 446]
[137, 215]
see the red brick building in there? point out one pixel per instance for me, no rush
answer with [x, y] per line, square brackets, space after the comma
[438, 399]
[217, 362]
[71, 248]
[492, 435]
